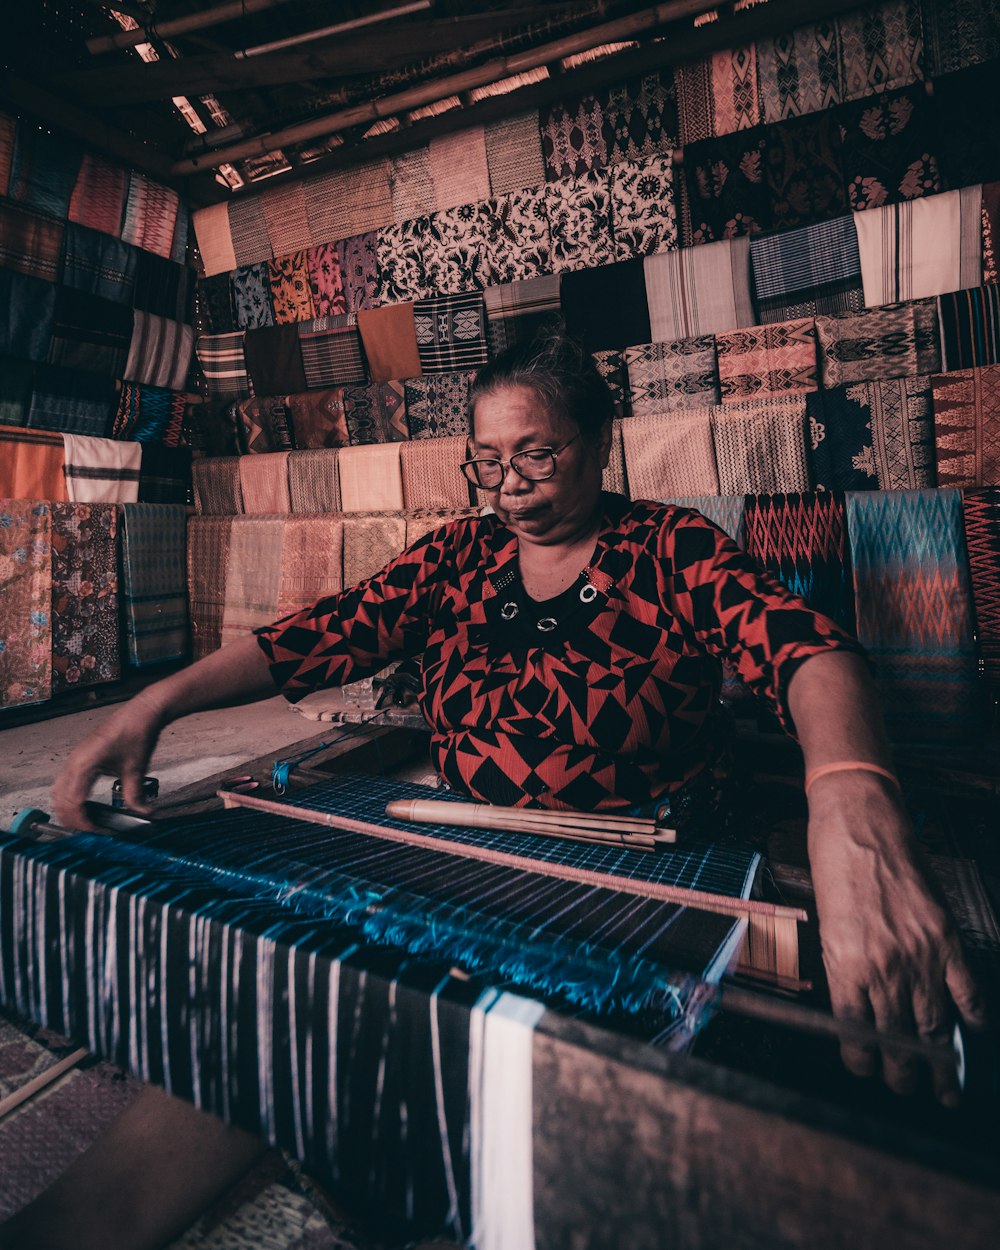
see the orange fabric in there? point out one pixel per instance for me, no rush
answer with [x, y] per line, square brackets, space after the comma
[31, 464]
[389, 336]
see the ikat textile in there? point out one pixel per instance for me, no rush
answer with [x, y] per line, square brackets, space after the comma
[881, 48]
[802, 540]
[959, 33]
[643, 216]
[263, 425]
[149, 414]
[216, 303]
[98, 264]
[376, 414]
[814, 269]
[274, 360]
[72, 401]
[611, 367]
[887, 342]
[914, 609]
[431, 476]
[459, 168]
[718, 95]
[922, 247]
[798, 71]
[390, 339]
[291, 294]
[640, 117]
[573, 140]
[728, 512]
[889, 148]
[331, 351]
[517, 311]
[437, 404]
[163, 287]
[967, 153]
[319, 418]
[991, 233]
[579, 212]
[101, 470]
[264, 483]
[451, 333]
[86, 645]
[454, 251]
[670, 455]
[760, 446]
[515, 236]
[699, 290]
[314, 481]
[371, 478]
[981, 509]
[215, 239]
[348, 202]
[514, 154]
[30, 303]
[252, 297]
[902, 432]
[970, 327]
[160, 352]
[224, 365]
[967, 427]
[312, 561]
[606, 308]
[285, 213]
[164, 474]
[99, 194]
[767, 360]
[90, 333]
[26, 583]
[803, 163]
[30, 243]
[841, 442]
[207, 560]
[43, 171]
[154, 583]
[360, 271]
[253, 576]
[217, 490]
[326, 281]
[249, 231]
[667, 377]
[371, 540]
[727, 188]
[412, 187]
[399, 252]
[31, 466]
[16, 381]
[150, 215]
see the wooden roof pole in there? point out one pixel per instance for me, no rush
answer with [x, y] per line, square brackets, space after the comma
[200, 20]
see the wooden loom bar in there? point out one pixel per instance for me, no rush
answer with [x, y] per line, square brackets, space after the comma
[485, 816]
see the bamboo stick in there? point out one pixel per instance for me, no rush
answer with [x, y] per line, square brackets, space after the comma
[485, 816]
[201, 19]
[43, 1079]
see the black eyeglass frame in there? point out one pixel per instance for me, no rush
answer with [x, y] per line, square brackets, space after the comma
[468, 469]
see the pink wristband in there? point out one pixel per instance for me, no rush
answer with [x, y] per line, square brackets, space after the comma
[843, 766]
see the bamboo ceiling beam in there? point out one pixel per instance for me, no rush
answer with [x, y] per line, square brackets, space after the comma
[200, 20]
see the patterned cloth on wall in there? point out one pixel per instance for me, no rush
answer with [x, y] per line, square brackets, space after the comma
[390, 339]
[959, 33]
[767, 360]
[760, 446]
[312, 561]
[643, 216]
[216, 303]
[437, 405]
[224, 365]
[150, 215]
[376, 413]
[29, 303]
[314, 481]
[981, 509]
[274, 360]
[515, 234]
[26, 561]
[667, 456]
[579, 213]
[887, 342]
[718, 95]
[318, 418]
[284, 211]
[666, 377]
[101, 470]
[922, 247]
[215, 239]
[160, 352]
[699, 290]
[798, 71]
[217, 490]
[611, 367]
[249, 231]
[263, 424]
[164, 474]
[252, 297]
[881, 48]
[728, 512]
[99, 194]
[253, 576]
[914, 609]
[573, 140]
[331, 351]
[399, 252]
[727, 187]
[98, 264]
[72, 401]
[970, 327]
[370, 542]
[841, 443]
[991, 232]
[17, 379]
[814, 269]
[458, 168]
[514, 154]
[411, 184]
[154, 586]
[360, 271]
[453, 250]
[968, 153]
[43, 170]
[451, 332]
[31, 464]
[967, 427]
[613, 478]
[902, 432]
[640, 117]
[8, 130]
[803, 163]
[163, 287]
[430, 472]
[605, 308]
[426, 520]
[208, 541]
[291, 294]
[326, 281]
[90, 333]
[30, 243]
[85, 637]
[348, 202]
[889, 148]
[371, 478]
[517, 311]
[149, 414]
[264, 483]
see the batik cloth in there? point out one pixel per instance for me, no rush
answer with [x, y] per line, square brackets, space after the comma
[30, 243]
[291, 294]
[902, 432]
[252, 297]
[165, 474]
[360, 271]
[215, 239]
[840, 439]
[767, 360]
[274, 360]
[348, 202]
[43, 170]
[90, 333]
[579, 212]
[605, 308]
[644, 219]
[802, 540]
[98, 264]
[390, 340]
[451, 332]
[803, 162]
[459, 168]
[154, 583]
[284, 211]
[72, 401]
[515, 236]
[437, 405]
[888, 342]
[99, 194]
[970, 327]
[149, 414]
[669, 455]
[517, 311]
[326, 281]
[981, 514]
[16, 381]
[249, 231]
[699, 290]
[216, 304]
[809, 271]
[914, 610]
[319, 418]
[160, 352]
[572, 134]
[208, 541]
[26, 577]
[253, 576]
[30, 303]
[150, 215]
[430, 472]
[890, 147]
[760, 446]
[312, 561]
[718, 95]
[371, 540]
[217, 490]
[667, 377]
[331, 351]
[611, 367]
[263, 424]
[798, 71]
[101, 470]
[967, 427]
[967, 153]
[411, 184]
[453, 250]
[376, 413]
[314, 481]
[881, 48]
[371, 478]
[86, 645]
[264, 483]
[640, 117]
[514, 153]
[726, 186]
[922, 247]
[31, 466]
[399, 253]
[224, 365]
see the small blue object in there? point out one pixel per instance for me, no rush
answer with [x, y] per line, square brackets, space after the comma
[22, 826]
[281, 770]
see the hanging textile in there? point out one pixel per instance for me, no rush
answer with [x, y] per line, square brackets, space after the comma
[967, 153]
[371, 478]
[767, 360]
[991, 233]
[264, 483]
[376, 413]
[411, 184]
[516, 312]
[154, 585]
[516, 237]
[923, 247]
[360, 271]
[669, 455]
[71, 401]
[728, 512]
[430, 472]
[150, 215]
[572, 135]
[182, 231]
[314, 481]
[90, 333]
[666, 377]
[251, 245]
[99, 194]
[43, 170]
[312, 561]
[970, 327]
[8, 129]
[208, 540]
[164, 474]
[252, 297]
[902, 432]
[253, 576]
[699, 290]
[606, 308]
[318, 418]
[224, 365]
[30, 243]
[214, 233]
[727, 187]
[958, 33]
[611, 367]
[881, 48]
[841, 443]
[513, 154]
[284, 210]
[579, 213]
[760, 446]
[451, 333]
[101, 470]
[453, 251]
[216, 481]
[216, 304]
[98, 264]
[889, 148]
[888, 342]
[86, 645]
[718, 95]
[26, 583]
[149, 414]
[613, 478]
[390, 341]
[29, 304]
[427, 520]
[437, 405]
[981, 515]
[642, 206]
[399, 254]
[371, 540]
[164, 287]
[798, 71]
[274, 360]
[326, 281]
[803, 162]
[17, 379]
[331, 351]
[264, 425]
[812, 270]
[348, 202]
[160, 352]
[640, 117]
[31, 464]
[914, 610]
[291, 295]
[459, 168]
[967, 427]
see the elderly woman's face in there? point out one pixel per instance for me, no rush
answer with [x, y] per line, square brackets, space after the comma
[562, 507]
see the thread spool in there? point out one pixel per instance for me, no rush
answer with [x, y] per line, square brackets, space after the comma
[150, 789]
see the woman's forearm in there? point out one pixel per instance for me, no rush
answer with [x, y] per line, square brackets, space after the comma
[837, 713]
[233, 675]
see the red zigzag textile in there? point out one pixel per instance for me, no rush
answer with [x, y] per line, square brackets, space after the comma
[967, 427]
[981, 513]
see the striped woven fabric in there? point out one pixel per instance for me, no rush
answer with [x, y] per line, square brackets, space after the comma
[376, 413]
[360, 271]
[90, 333]
[370, 478]
[253, 575]
[331, 351]
[224, 365]
[86, 643]
[611, 367]
[326, 281]
[767, 360]
[579, 213]
[668, 456]
[264, 483]
[314, 481]
[30, 243]
[149, 414]
[666, 377]
[99, 195]
[43, 170]
[284, 211]
[841, 444]
[371, 540]
[760, 446]
[514, 153]
[728, 512]
[263, 424]
[967, 427]
[888, 342]
[274, 360]
[248, 229]
[215, 239]
[252, 297]
[291, 294]
[798, 71]
[160, 352]
[516, 312]
[318, 418]
[411, 184]
[642, 206]
[26, 552]
[459, 168]
[150, 215]
[165, 474]
[31, 466]
[101, 470]
[970, 328]
[813, 269]
[451, 332]
[437, 405]
[981, 515]
[154, 583]
[718, 95]
[217, 490]
[431, 476]
[29, 303]
[902, 432]
[699, 290]
[389, 336]
[914, 609]
[605, 308]
[72, 401]
[312, 561]
[208, 539]
[99, 264]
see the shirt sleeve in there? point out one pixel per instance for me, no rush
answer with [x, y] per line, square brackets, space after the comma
[739, 612]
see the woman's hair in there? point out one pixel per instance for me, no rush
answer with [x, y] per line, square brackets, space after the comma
[559, 371]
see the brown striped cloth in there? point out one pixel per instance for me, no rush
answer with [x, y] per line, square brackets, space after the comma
[30, 242]
[26, 555]
[253, 576]
[224, 365]
[318, 418]
[274, 360]
[264, 483]
[216, 481]
[331, 351]
[208, 539]
[160, 352]
[371, 478]
[164, 287]
[99, 194]
[670, 455]
[86, 642]
[314, 481]
[101, 470]
[967, 427]
[518, 310]
[371, 540]
[970, 327]
[699, 290]
[451, 333]
[154, 586]
[31, 464]
[431, 476]
[312, 561]
[760, 446]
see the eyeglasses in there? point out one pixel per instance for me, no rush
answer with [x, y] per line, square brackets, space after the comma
[534, 464]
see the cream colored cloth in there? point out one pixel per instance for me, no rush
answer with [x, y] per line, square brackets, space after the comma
[760, 446]
[431, 474]
[264, 482]
[101, 470]
[371, 540]
[459, 168]
[371, 478]
[670, 455]
[312, 561]
[215, 238]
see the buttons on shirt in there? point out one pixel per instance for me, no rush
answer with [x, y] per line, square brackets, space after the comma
[509, 610]
[547, 624]
[588, 593]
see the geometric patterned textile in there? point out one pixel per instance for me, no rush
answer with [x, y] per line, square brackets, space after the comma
[376, 413]
[841, 442]
[799, 71]
[889, 148]
[149, 414]
[215, 238]
[412, 187]
[318, 418]
[216, 305]
[902, 432]
[958, 33]
[727, 187]
[251, 245]
[967, 427]
[326, 282]
[760, 446]
[30, 243]
[699, 290]
[98, 199]
[208, 540]
[803, 162]
[71, 401]
[611, 367]
[312, 561]
[640, 117]
[870, 344]
[451, 332]
[718, 95]
[881, 48]
[515, 235]
[573, 139]
[86, 646]
[348, 202]
[263, 424]
[43, 170]
[605, 308]
[253, 575]
[914, 609]
[150, 215]
[26, 557]
[437, 405]
[458, 169]
[767, 360]
[370, 478]
[613, 477]
[981, 510]
[664, 377]
[518, 310]
[313, 481]
[513, 154]
[643, 217]
[728, 512]
[579, 212]
[331, 351]
[360, 271]
[670, 456]
[285, 214]
[154, 585]
[970, 327]
[814, 269]
[217, 490]
[252, 297]
[431, 476]
[224, 365]
[264, 483]
[371, 540]
[291, 294]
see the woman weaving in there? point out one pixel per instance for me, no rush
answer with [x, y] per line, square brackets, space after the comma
[571, 648]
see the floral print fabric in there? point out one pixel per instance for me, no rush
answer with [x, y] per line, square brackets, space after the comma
[85, 633]
[291, 295]
[579, 212]
[26, 586]
[642, 206]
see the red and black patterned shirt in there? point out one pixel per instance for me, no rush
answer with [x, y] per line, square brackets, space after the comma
[603, 698]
